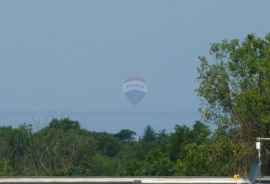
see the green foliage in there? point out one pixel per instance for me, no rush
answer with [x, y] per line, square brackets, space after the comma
[107, 144]
[149, 134]
[64, 124]
[5, 167]
[235, 87]
[126, 135]
[178, 140]
[13, 146]
[64, 149]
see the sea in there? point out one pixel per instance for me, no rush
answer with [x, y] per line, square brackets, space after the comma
[104, 121]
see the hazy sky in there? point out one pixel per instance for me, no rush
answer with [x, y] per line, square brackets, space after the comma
[60, 55]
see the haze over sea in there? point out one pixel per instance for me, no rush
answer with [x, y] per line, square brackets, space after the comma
[110, 121]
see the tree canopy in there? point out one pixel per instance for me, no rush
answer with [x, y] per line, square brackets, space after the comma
[63, 148]
[234, 84]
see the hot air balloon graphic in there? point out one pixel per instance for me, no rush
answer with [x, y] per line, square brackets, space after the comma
[135, 89]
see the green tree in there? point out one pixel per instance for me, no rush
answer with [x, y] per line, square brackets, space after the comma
[57, 150]
[64, 124]
[149, 134]
[5, 167]
[235, 87]
[200, 132]
[13, 146]
[107, 144]
[178, 140]
[126, 135]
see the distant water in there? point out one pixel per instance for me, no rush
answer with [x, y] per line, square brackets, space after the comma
[109, 121]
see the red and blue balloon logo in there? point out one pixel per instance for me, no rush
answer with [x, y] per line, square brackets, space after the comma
[135, 89]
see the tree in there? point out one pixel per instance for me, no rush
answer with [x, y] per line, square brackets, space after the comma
[178, 140]
[57, 150]
[149, 134]
[13, 146]
[235, 88]
[107, 144]
[126, 135]
[64, 124]
[201, 132]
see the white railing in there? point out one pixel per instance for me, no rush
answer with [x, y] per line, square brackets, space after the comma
[123, 180]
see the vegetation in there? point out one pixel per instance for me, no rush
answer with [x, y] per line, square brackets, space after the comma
[235, 89]
[235, 86]
[63, 148]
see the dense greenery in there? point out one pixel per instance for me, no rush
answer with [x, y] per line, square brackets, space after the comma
[235, 89]
[235, 86]
[63, 148]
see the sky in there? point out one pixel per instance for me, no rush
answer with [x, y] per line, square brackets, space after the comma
[70, 58]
